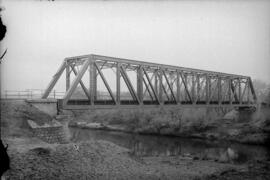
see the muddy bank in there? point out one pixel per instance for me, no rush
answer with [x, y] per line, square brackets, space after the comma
[233, 125]
[102, 160]
[14, 117]
[255, 171]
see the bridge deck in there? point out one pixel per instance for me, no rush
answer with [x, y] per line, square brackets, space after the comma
[107, 104]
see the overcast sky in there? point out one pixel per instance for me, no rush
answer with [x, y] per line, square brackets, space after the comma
[226, 36]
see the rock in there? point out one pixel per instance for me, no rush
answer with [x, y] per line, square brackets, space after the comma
[233, 132]
[62, 117]
[166, 131]
[223, 158]
[53, 123]
[94, 125]
[77, 124]
[212, 136]
[233, 155]
[32, 124]
[232, 115]
[41, 151]
[116, 127]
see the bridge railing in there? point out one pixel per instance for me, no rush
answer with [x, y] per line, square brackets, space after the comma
[30, 94]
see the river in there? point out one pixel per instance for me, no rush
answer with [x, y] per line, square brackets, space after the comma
[155, 145]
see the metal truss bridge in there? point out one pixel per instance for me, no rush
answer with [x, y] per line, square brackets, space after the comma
[147, 85]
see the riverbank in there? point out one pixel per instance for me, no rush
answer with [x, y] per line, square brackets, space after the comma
[102, 160]
[238, 126]
[32, 158]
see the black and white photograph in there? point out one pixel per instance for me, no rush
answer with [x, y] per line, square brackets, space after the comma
[135, 89]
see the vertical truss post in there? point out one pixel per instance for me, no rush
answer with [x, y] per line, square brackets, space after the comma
[140, 84]
[230, 90]
[95, 83]
[240, 91]
[177, 87]
[244, 92]
[156, 81]
[198, 87]
[219, 90]
[248, 91]
[118, 84]
[193, 89]
[186, 87]
[92, 81]
[171, 87]
[208, 89]
[67, 76]
[233, 90]
[160, 87]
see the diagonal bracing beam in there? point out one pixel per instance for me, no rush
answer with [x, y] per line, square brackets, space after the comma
[164, 89]
[234, 92]
[75, 82]
[128, 83]
[148, 90]
[169, 86]
[81, 83]
[252, 90]
[105, 82]
[244, 91]
[54, 80]
[150, 83]
[185, 85]
[214, 88]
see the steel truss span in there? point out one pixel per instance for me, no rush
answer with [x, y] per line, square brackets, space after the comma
[154, 85]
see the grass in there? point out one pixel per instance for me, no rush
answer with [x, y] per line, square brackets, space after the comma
[196, 122]
[153, 120]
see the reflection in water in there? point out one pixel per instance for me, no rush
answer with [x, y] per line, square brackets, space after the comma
[146, 145]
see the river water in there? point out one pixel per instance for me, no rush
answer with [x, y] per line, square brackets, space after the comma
[154, 145]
